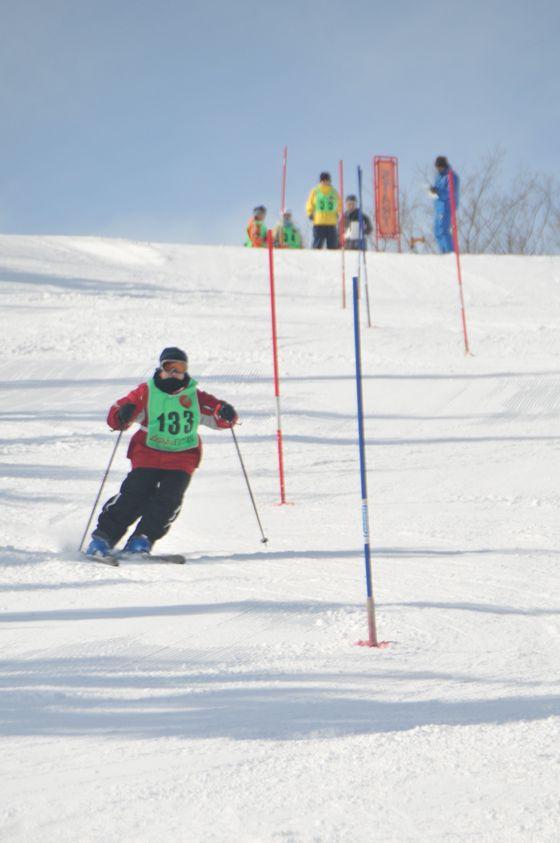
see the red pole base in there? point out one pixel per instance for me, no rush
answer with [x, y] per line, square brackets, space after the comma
[284, 503]
[379, 645]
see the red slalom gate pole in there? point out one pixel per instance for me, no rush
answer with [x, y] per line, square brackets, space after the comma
[451, 182]
[284, 173]
[276, 375]
[341, 231]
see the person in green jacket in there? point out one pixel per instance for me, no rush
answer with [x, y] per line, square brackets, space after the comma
[286, 234]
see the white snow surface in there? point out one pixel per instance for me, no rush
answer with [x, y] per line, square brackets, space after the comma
[226, 699]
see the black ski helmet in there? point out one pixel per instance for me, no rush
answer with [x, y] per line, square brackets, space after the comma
[441, 161]
[173, 353]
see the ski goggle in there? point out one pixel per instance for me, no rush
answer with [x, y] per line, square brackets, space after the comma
[174, 366]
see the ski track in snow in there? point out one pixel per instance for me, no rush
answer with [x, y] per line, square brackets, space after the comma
[225, 698]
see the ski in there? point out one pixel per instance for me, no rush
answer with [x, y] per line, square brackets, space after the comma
[173, 558]
[115, 559]
[105, 560]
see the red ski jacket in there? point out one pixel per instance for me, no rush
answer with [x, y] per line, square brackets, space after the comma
[140, 455]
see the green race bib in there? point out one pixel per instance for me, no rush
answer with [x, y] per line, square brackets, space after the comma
[325, 202]
[261, 230]
[291, 237]
[173, 419]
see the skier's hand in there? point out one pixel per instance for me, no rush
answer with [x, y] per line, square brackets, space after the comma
[125, 414]
[225, 415]
[432, 191]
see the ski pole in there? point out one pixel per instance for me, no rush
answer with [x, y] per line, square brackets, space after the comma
[455, 234]
[341, 237]
[108, 469]
[372, 640]
[366, 287]
[363, 243]
[279, 440]
[264, 538]
[284, 172]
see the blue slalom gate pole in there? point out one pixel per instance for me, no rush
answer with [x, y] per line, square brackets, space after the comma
[363, 243]
[372, 631]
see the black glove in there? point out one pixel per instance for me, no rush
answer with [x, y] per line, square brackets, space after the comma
[311, 217]
[226, 412]
[125, 414]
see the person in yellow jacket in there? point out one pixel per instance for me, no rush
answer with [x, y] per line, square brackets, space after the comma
[324, 207]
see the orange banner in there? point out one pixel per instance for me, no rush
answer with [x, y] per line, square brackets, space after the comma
[386, 198]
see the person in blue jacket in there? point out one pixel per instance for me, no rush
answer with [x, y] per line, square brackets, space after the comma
[442, 205]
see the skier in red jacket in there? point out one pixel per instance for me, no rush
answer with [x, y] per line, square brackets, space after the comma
[164, 453]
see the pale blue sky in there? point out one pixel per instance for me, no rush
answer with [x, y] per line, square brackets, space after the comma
[165, 120]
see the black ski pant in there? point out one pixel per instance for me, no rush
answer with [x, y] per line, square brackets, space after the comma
[325, 234]
[153, 495]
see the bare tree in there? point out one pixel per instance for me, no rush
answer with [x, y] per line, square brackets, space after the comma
[522, 217]
[555, 227]
[416, 228]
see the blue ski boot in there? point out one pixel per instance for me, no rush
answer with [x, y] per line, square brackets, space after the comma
[138, 544]
[98, 546]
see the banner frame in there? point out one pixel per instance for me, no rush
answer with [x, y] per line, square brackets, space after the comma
[377, 161]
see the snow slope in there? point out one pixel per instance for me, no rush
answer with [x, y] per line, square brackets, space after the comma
[225, 700]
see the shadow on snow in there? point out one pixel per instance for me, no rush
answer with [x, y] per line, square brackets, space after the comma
[39, 699]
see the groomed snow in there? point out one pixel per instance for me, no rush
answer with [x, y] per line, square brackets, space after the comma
[225, 700]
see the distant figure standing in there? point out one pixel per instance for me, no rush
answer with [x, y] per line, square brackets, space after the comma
[286, 234]
[442, 205]
[352, 224]
[323, 208]
[256, 229]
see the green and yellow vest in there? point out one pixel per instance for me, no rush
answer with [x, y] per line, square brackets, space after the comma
[291, 238]
[173, 419]
[325, 203]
